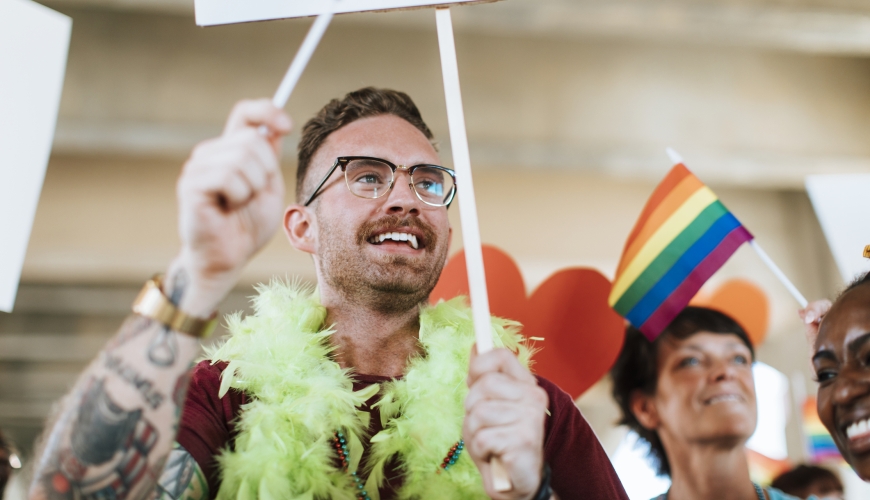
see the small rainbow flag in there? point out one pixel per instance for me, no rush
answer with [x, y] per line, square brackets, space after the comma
[763, 469]
[820, 444]
[683, 236]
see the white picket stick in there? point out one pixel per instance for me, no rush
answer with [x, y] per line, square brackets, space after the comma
[462, 164]
[300, 61]
[306, 50]
[467, 207]
[778, 273]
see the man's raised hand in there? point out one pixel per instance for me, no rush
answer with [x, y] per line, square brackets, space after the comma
[504, 417]
[230, 201]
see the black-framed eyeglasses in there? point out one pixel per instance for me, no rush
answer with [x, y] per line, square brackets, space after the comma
[369, 177]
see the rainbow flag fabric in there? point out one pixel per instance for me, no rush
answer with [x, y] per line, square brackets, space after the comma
[820, 444]
[683, 236]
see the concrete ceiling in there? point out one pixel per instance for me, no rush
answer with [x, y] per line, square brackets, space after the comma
[815, 26]
[737, 87]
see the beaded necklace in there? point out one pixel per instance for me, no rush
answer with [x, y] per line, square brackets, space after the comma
[758, 491]
[340, 444]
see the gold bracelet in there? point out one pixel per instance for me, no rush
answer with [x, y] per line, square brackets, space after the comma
[152, 303]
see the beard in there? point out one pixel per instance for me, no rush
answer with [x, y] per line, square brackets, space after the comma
[387, 283]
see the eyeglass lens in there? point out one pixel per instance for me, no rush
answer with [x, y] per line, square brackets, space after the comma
[368, 178]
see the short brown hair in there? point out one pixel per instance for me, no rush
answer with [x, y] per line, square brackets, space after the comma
[361, 103]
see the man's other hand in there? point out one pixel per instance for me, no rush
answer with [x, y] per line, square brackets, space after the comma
[230, 198]
[504, 417]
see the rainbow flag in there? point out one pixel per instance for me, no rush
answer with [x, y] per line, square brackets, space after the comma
[683, 236]
[820, 444]
[763, 469]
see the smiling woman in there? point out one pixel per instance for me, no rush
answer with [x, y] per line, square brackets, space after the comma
[841, 361]
[690, 394]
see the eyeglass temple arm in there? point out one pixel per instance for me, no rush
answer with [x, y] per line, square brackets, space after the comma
[322, 182]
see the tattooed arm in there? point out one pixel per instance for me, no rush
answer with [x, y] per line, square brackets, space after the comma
[115, 430]
[117, 425]
[182, 478]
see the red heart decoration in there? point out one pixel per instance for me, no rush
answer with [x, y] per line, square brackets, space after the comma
[582, 334]
[504, 283]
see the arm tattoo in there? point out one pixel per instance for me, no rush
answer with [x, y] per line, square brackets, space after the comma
[182, 479]
[113, 434]
[164, 348]
[133, 327]
[108, 453]
[153, 397]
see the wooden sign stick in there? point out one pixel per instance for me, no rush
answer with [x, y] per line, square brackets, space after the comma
[467, 207]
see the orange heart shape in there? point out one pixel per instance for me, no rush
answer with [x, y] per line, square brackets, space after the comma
[745, 302]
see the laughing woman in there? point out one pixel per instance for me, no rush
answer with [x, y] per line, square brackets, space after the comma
[690, 394]
[841, 360]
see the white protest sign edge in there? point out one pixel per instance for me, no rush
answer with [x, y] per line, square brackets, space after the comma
[841, 203]
[214, 12]
[34, 42]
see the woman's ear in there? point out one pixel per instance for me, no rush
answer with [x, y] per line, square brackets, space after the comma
[299, 228]
[644, 409]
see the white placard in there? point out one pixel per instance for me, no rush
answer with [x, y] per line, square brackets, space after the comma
[33, 48]
[212, 12]
[842, 204]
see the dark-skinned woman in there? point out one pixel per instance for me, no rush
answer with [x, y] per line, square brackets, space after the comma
[841, 362]
[690, 394]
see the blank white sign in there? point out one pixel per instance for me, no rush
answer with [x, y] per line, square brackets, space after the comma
[33, 48]
[842, 204]
[211, 12]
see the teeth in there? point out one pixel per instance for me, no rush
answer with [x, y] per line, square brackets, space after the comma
[723, 398]
[410, 238]
[858, 429]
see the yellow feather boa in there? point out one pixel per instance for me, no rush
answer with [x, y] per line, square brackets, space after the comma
[280, 357]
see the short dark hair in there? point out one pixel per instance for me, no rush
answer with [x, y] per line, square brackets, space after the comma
[359, 104]
[862, 279]
[636, 368]
[799, 480]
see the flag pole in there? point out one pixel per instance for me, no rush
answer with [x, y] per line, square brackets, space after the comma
[467, 207]
[798, 296]
[674, 156]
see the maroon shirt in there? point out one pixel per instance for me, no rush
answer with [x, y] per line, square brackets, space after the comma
[580, 467]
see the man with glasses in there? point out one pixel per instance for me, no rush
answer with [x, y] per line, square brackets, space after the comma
[357, 390]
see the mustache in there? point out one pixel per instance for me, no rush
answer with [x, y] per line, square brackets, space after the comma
[368, 228]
